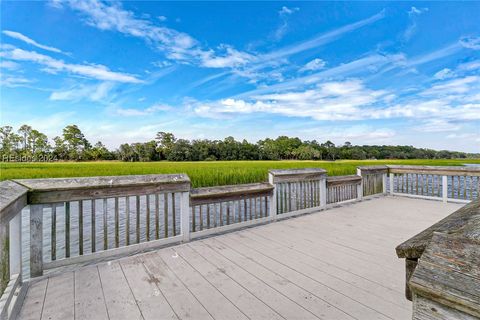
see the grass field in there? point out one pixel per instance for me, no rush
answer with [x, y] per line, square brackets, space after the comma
[201, 173]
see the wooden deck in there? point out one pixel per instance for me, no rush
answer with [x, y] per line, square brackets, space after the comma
[336, 264]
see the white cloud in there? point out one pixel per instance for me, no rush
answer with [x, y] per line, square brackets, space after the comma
[21, 37]
[444, 74]
[131, 112]
[282, 29]
[10, 65]
[437, 125]
[471, 42]
[470, 66]
[92, 93]
[230, 59]
[162, 18]
[411, 29]
[94, 71]
[314, 65]
[12, 81]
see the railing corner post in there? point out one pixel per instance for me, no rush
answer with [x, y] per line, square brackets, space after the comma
[185, 210]
[36, 240]
[445, 189]
[273, 198]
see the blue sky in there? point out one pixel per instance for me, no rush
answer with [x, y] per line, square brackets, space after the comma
[364, 72]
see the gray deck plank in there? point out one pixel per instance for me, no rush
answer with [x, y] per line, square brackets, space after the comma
[183, 302]
[119, 299]
[150, 299]
[319, 304]
[253, 307]
[343, 295]
[286, 307]
[34, 299]
[212, 299]
[89, 300]
[59, 299]
[331, 272]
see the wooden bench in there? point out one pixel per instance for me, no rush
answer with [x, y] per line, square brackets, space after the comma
[443, 267]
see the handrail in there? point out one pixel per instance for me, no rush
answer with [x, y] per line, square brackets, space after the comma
[343, 180]
[293, 175]
[71, 189]
[206, 195]
[437, 170]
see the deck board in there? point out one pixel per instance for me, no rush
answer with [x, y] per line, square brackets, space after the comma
[336, 264]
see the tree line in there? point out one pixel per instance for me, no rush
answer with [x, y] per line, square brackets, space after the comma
[28, 144]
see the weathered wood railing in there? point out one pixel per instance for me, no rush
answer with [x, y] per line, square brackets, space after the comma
[219, 209]
[443, 267]
[13, 198]
[374, 179]
[81, 220]
[298, 191]
[459, 184]
[343, 188]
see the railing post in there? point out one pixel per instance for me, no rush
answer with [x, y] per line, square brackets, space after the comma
[391, 184]
[15, 244]
[36, 240]
[273, 198]
[185, 211]
[384, 183]
[323, 191]
[445, 189]
[360, 186]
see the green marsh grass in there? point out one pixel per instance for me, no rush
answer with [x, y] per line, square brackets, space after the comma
[207, 173]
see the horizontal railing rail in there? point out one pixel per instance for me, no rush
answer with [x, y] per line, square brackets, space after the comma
[459, 184]
[86, 220]
[343, 188]
[217, 209]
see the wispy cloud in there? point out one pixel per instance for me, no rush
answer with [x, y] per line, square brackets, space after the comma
[21, 37]
[14, 81]
[88, 92]
[284, 15]
[413, 15]
[132, 112]
[52, 65]
[314, 65]
[471, 42]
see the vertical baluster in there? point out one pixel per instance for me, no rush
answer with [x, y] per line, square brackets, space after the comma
[105, 225]
[208, 216]
[80, 227]
[245, 209]
[137, 220]
[165, 215]
[228, 213]
[54, 232]
[465, 187]
[93, 226]
[117, 224]
[285, 197]
[290, 197]
[174, 219]
[471, 187]
[277, 198]
[266, 206]
[67, 229]
[221, 213]
[200, 216]
[147, 219]
[215, 215]
[255, 208]
[459, 187]
[250, 208]
[157, 216]
[36, 240]
[127, 220]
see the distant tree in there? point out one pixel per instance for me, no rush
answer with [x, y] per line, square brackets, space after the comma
[76, 142]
